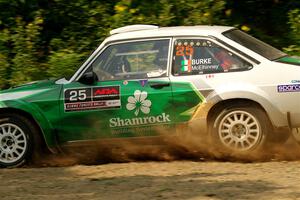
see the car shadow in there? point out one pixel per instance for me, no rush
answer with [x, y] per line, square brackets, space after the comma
[90, 183]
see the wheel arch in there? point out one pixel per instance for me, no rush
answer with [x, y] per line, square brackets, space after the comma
[47, 137]
[219, 106]
[249, 93]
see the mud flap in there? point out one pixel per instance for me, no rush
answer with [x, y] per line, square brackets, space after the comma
[296, 134]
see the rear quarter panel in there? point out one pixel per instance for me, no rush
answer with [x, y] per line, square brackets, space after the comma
[259, 84]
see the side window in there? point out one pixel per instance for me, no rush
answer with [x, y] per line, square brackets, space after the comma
[133, 60]
[199, 56]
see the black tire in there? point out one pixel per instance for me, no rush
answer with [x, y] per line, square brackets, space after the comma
[17, 140]
[280, 136]
[241, 139]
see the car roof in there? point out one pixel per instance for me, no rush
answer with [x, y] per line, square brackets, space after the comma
[145, 31]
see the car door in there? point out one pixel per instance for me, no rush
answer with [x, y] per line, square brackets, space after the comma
[200, 66]
[131, 98]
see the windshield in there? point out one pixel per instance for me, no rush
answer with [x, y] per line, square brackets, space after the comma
[254, 44]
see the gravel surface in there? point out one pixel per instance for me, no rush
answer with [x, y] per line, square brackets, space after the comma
[155, 180]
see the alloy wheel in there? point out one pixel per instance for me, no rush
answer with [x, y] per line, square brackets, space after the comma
[13, 143]
[239, 131]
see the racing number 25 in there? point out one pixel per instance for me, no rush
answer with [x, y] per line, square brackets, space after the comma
[76, 95]
[184, 50]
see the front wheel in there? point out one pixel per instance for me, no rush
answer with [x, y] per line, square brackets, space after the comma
[15, 140]
[240, 130]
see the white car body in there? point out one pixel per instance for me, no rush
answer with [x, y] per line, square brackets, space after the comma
[259, 84]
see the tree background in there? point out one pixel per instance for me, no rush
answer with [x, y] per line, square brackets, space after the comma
[50, 38]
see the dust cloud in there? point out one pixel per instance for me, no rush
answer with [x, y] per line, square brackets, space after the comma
[181, 146]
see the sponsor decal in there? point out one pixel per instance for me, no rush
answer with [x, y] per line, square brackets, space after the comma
[125, 82]
[295, 81]
[102, 92]
[138, 103]
[80, 99]
[289, 88]
[143, 82]
[139, 130]
[118, 122]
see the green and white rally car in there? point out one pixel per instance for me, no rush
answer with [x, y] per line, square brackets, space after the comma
[143, 79]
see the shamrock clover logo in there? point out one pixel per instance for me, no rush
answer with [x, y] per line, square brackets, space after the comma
[139, 102]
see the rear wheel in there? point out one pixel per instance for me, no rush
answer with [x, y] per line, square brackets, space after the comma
[240, 130]
[16, 140]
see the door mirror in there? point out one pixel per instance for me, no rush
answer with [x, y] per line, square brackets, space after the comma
[88, 78]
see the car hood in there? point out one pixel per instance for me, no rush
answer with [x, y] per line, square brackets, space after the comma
[27, 89]
[294, 60]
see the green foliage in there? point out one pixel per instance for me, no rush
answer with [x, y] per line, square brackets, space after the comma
[168, 12]
[294, 21]
[3, 70]
[25, 39]
[63, 63]
[42, 38]
[200, 12]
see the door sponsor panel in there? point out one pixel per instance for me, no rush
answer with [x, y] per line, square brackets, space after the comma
[93, 98]
[139, 104]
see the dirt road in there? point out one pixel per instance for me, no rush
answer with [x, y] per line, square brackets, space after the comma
[155, 180]
[171, 176]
